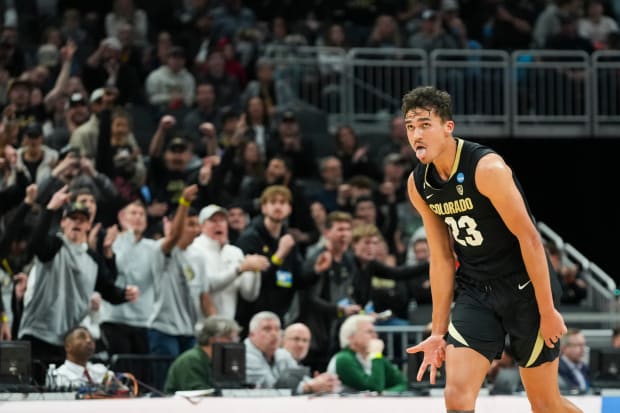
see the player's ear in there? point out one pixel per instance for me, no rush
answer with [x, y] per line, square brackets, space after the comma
[448, 126]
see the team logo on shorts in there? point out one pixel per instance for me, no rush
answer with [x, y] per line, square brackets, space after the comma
[459, 189]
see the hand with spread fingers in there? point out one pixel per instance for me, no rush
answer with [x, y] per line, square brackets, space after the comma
[434, 349]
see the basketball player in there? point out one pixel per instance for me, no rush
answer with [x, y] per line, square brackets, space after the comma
[472, 205]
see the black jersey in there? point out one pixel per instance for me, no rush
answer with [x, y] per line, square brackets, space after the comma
[486, 249]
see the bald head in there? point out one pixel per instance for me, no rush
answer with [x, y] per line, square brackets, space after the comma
[297, 340]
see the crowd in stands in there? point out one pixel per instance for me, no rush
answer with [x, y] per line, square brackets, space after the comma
[224, 208]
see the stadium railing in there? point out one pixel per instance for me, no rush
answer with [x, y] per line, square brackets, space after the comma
[496, 94]
[600, 306]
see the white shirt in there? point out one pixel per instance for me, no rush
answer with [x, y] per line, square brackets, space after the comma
[72, 375]
[596, 32]
[220, 266]
[365, 362]
[260, 138]
[162, 82]
[93, 320]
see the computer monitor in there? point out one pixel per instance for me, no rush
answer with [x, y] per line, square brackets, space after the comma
[605, 367]
[413, 365]
[15, 362]
[228, 360]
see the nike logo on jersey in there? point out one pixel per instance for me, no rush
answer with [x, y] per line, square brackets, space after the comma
[522, 286]
[429, 196]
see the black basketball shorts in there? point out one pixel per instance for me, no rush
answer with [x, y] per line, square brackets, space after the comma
[485, 312]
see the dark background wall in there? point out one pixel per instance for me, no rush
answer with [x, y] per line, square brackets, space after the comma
[572, 185]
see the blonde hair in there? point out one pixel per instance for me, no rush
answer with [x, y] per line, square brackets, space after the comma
[338, 216]
[276, 190]
[365, 230]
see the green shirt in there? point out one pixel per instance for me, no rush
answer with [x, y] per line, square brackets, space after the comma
[190, 371]
[384, 376]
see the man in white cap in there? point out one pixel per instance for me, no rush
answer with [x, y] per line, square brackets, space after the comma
[228, 271]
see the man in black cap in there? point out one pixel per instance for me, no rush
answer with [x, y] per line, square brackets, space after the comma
[77, 113]
[33, 157]
[168, 174]
[171, 85]
[64, 263]
[177, 145]
[291, 144]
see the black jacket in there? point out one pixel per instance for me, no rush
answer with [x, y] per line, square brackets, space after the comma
[319, 304]
[278, 283]
[385, 286]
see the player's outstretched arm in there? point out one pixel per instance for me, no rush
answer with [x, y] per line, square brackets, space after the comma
[442, 263]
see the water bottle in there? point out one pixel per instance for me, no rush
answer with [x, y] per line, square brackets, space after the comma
[51, 377]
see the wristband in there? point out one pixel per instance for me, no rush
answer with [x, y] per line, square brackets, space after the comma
[184, 202]
[277, 261]
[376, 356]
[4, 318]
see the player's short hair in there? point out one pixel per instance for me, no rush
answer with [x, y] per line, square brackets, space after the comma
[429, 98]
